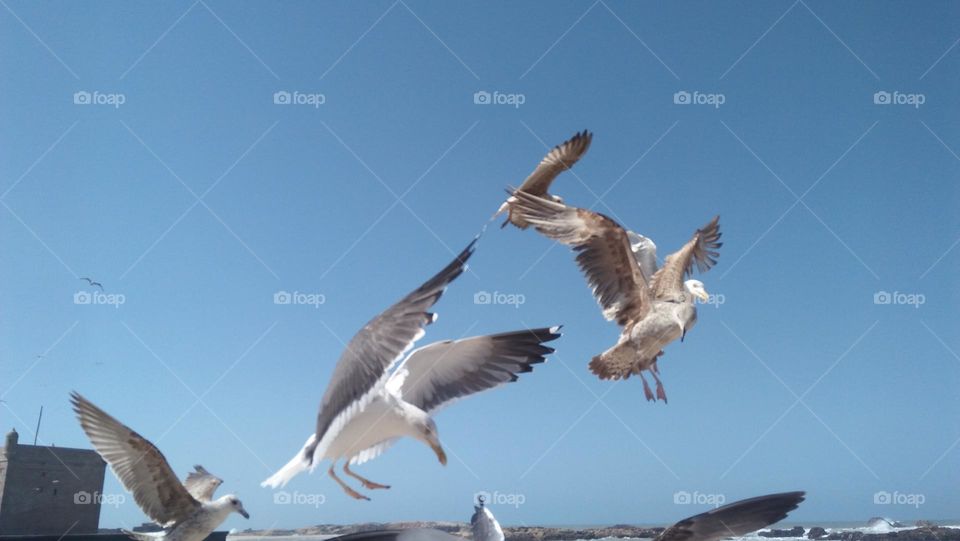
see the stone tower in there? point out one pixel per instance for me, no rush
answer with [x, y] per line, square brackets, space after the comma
[49, 490]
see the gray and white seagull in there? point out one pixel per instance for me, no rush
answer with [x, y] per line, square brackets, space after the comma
[654, 306]
[372, 399]
[187, 511]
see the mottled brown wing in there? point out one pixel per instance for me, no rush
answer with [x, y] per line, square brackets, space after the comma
[558, 160]
[701, 250]
[603, 254]
[202, 484]
[735, 519]
[138, 464]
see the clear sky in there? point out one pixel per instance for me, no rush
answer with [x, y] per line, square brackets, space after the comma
[194, 198]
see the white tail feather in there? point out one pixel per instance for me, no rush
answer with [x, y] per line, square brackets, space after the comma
[291, 469]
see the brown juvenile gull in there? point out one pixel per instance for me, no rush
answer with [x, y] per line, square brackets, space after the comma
[186, 511]
[369, 404]
[558, 160]
[653, 306]
[733, 520]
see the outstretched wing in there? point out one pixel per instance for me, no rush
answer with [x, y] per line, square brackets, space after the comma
[603, 254]
[701, 250]
[558, 160]
[138, 464]
[436, 375]
[365, 363]
[735, 519]
[201, 484]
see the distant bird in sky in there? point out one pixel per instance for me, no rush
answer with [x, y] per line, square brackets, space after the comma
[732, 520]
[93, 283]
[187, 510]
[653, 306]
[558, 160]
[368, 406]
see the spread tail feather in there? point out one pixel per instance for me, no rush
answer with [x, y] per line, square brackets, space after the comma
[300, 462]
[622, 360]
[144, 536]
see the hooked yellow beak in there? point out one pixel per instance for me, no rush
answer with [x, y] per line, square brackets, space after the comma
[441, 455]
[703, 296]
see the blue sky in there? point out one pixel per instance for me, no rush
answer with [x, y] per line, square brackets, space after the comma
[198, 198]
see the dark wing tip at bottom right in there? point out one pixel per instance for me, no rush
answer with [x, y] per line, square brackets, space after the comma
[734, 519]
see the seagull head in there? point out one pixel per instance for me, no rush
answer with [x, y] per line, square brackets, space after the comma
[695, 287]
[233, 504]
[430, 436]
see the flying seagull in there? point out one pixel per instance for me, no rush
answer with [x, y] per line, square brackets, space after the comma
[732, 520]
[186, 511]
[367, 406]
[558, 160]
[653, 306]
[93, 283]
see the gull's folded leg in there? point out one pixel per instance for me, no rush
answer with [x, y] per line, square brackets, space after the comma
[366, 482]
[646, 388]
[350, 492]
[661, 394]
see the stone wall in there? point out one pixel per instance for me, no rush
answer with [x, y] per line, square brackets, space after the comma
[49, 490]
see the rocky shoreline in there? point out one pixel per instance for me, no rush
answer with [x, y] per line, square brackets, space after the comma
[923, 532]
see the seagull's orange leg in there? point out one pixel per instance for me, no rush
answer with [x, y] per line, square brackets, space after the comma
[661, 394]
[646, 388]
[366, 482]
[350, 492]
